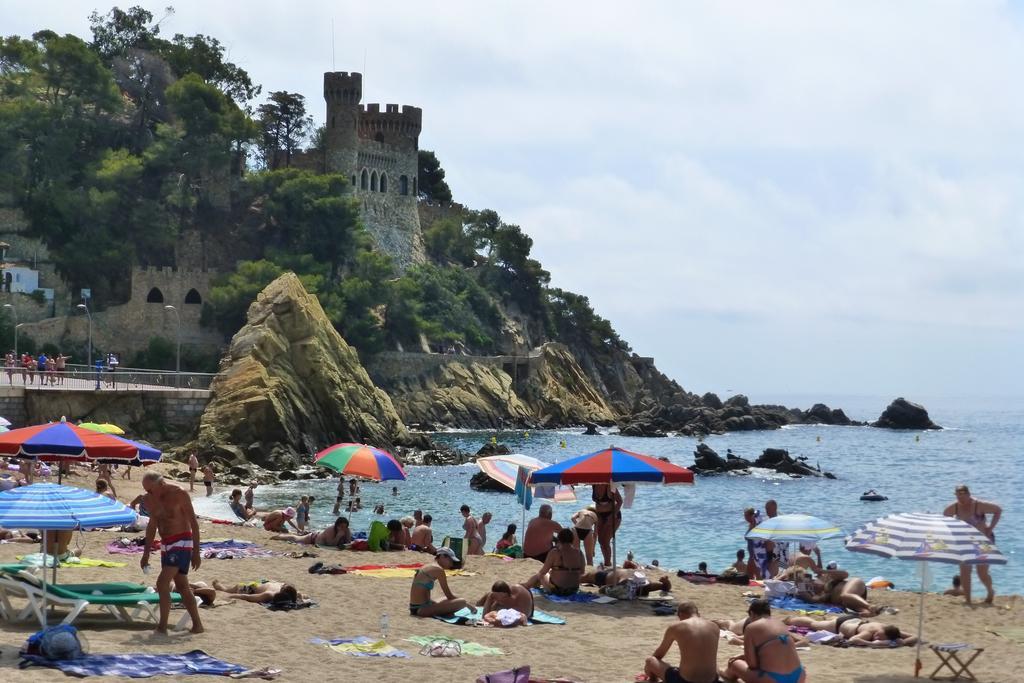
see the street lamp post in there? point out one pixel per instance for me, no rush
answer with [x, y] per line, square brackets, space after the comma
[87, 313]
[14, 312]
[177, 337]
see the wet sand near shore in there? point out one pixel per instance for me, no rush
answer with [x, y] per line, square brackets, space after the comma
[599, 644]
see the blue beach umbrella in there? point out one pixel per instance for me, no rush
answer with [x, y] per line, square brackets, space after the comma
[795, 528]
[52, 507]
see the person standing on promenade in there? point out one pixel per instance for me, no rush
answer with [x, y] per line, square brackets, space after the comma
[697, 639]
[974, 512]
[193, 467]
[539, 536]
[170, 512]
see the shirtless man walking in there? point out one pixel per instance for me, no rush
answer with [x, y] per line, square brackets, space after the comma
[974, 512]
[170, 511]
[697, 639]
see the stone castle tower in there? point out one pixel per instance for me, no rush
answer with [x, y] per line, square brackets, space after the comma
[378, 151]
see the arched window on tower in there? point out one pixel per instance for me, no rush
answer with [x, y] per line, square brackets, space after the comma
[364, 180]
[155, 296]
[373, 182]
[403, 184]
[383, 182]
[193, 297]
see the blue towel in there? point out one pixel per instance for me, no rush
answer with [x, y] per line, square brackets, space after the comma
[138, 665]
[575, 597]
[465, 617]
[796, 604]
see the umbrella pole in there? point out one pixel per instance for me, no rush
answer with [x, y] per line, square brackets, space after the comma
[920, 626]
[44, 579]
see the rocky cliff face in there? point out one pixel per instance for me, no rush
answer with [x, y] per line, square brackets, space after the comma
[551, 389]
[290, 385]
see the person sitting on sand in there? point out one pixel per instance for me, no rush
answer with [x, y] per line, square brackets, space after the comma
[503, 596]
[235, 503]
[740, 565]
[423, 536]
[804, 560]
[758, 609]
[253, 591]
[420, 604]
[562, 569]
[276, 520]
[957, 589]
[697, 640]
[607, 578]
[857, 631]
[105, 488]
[407, 525]
[769, 655]
[843, 590]
[396, 536]
[332, 537]
[539, 534]
[507, 540]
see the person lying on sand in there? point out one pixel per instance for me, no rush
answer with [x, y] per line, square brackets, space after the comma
[562, 569]
[333, 536]
[769, 653]
[697, 639]
[420, 604]
[504, 597]
[276, 520]
[615, 577]
[16, 536]
[857, 631]
[758, 609]
[254, 591]
[846, 591]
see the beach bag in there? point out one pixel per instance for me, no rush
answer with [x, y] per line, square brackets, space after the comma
[56, 643]
[518, 675]
[378, 536]
[442, 647]
[778, 589]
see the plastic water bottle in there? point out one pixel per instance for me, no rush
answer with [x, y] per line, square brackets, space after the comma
[384, 626]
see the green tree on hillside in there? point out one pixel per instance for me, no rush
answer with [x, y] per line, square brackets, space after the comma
[284, 125]
[431, 179]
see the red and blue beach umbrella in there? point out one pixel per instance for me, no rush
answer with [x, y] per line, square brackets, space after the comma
[65, 441]
[612, 466]
[360, 460]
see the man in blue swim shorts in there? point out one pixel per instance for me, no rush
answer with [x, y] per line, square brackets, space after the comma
[170, 512]
[697, 639]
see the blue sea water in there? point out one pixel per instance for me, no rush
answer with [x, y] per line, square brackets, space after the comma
[680, 526]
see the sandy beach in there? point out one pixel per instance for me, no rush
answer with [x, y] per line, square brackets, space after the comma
[599, 643]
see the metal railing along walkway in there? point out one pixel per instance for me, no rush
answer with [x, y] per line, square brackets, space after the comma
[83, 377]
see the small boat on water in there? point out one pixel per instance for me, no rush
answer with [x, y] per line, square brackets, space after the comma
[873, 496]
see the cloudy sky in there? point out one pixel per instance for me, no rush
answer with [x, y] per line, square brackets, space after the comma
[775, 198]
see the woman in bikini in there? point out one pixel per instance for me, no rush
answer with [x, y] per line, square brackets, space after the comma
[252, 591]
[563, 568]
[420, 604]
[333, 536]
[857, 631]
[973, 511]
[769, 654]
[607, 503]
[584, 521]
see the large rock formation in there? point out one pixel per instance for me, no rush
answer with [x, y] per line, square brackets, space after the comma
[706, 462]
[290, 385]
[902, 414]
[551, 390]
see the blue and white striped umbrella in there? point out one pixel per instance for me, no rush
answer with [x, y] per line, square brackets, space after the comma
[926, 538]
[795, 528]
[60, 508]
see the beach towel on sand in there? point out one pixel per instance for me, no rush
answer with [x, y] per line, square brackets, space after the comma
[473, 649]
[36, 560]
[138, 665]
[582, 596]
[464, 617]
[361, 646]
[797, 605]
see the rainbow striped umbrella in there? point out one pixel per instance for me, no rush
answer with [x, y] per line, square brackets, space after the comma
[65, 441]
[504, 468]
[360, 460]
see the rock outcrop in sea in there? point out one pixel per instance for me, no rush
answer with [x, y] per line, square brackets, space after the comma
[902, 414]
[290, 385]
[706, 462]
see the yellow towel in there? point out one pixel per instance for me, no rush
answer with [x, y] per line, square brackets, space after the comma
[378, 648]
[72, 561]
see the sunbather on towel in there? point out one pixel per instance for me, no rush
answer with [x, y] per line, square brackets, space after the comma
[256, 591]
[503, 596]
[562, 568]
[614, 577]
[276, 520]
[333, 536]
[15, 536]
[843, 590]
[420, 604]
[758, 609]
[857, 631]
